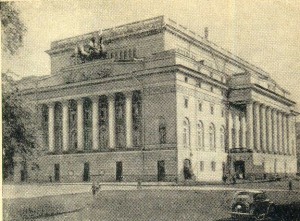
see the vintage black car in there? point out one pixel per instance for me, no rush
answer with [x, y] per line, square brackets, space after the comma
[252, 205]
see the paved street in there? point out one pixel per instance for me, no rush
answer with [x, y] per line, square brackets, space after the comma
[35, 190]
[124, 201]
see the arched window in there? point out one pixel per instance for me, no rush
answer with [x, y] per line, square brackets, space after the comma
[200, 135]
[162, 130]
[222, 138]
[212, 137]
[186, 133]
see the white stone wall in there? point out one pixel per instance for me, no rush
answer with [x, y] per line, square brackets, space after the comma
[189, 90]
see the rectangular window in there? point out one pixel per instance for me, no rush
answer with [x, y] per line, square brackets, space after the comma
[186, 79]
[186, 102]
[212, 109]
[200, 106]
[212, 89]
[199, 84]
[213, 166]
[201, 166]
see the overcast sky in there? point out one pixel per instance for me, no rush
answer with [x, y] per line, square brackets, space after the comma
[265, 33]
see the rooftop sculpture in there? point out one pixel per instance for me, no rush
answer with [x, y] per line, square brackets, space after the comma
[94, 50]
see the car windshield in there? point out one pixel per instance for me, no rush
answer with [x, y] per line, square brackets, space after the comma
[260, 196]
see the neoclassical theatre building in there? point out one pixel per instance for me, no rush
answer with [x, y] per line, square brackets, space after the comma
[154, 101]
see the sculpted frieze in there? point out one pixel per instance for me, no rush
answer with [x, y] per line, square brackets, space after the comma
[79, 76]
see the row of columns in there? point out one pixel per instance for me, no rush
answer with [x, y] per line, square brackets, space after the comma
[95, 122]
[262, 128]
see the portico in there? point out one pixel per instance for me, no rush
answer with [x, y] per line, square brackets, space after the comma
[121, 112]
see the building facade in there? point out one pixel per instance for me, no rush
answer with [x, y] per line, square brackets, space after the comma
[154, 101]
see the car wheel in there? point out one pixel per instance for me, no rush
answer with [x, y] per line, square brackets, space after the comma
[240, 208]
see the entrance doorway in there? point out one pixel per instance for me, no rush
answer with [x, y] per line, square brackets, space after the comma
[119, 171]
[161, 173]
[187, 169]
[86, 172]
[56, 172]
[239, 168]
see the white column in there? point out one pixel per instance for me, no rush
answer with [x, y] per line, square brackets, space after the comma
[80, 136]
[269, 130]
[249, 121]
[111, 121]
[288, 131]
[292, 135]
[232, 130]
[275, 131]
[257, 127]
[284, 149]
[95, 112]
[263, 129]
[51, 137]
[230, 123]
[243, 131]
[65, 125]
[279, 132]
[128, 96]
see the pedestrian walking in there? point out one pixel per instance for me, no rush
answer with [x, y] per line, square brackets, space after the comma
[233, 180]
[94, 188]
[290, 185]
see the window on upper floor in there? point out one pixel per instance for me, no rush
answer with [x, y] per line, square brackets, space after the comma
[213, 166]
[186, 132]
[212, 109]
[162, 130]
[199, 84]
[186, 79]
[212, 137]
[199, 106]
[222, 138]
[223, 112]
[201, 166]
[200, 135]
[186, 102]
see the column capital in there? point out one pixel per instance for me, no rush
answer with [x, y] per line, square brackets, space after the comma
[51, 104]
[65, 102]
[95, 98]
[128, 93]
[79, 100]
[111, 96]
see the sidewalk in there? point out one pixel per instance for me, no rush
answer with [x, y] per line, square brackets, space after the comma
[50, 189]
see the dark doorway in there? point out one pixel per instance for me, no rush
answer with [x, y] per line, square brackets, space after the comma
[239, 167]
[56, 172]
[23, 176]
[86, 172]
[161, 173]
[119, 171]
[187, 169]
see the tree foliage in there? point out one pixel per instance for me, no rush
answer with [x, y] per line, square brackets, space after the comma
[12, 28]
[18, 125]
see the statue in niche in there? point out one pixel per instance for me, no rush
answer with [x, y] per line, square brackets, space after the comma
[94, 50]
